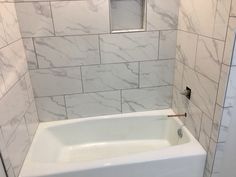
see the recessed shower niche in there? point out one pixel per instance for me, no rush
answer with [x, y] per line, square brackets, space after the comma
[127, 15]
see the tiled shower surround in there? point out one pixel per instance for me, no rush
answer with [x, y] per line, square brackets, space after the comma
[18, 114]
[78, 68]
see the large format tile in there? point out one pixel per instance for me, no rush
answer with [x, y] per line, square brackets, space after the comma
[30, 53]
[18, 146]
[209, 53]
[178, 75]
[31, 119]
[167, 48]
[2, 85]
[49, 82]
[67, 51]
[135, 100]
[194, 18]
[230, 98]
[156, 73]
[233, 8]
[12, 63]
[93, 104]
[51, 108]
[204, 90]
[162, 14]
[35, 19]
[3, 40]
[186, 48]
[110, 77]
[117, 48]
[9, 21]
[16, 98]
[92, 17]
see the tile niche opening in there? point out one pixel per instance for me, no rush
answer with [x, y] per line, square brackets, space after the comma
[127, 15]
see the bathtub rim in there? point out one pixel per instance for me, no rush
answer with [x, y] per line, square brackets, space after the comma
[191, 148]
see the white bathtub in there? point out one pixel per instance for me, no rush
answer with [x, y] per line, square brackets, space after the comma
[129, 145]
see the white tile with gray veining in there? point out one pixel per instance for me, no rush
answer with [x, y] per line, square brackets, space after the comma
[30, 53]
[3, 40]
[178, 75]
[9, 21]
[186, 48]
[221, 19]
[116, 48]
[194, 18]
[167, 48]
[50, 82]
[233, 8]
[31, 119]
[156, 73]
[12, 118]
[110, 77]
[179, 102]
[29, 87]
[135, 100]
[216, 123]
[18, 146]
[2, 86]
[101, 103]
[193, 121]
[162, 15]
[209, 53]
[204, 90]
[205, 133]
[67, 51]
[12, 63]
[126, 15]
[35, 19]
[92, 17]
[51, 108]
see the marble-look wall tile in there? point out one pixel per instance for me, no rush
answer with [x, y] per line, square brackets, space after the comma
[194, 18]
[205, 133]
[67, 51]
[218, 158]
[127, 15]
[12, 63]
[2, 86]
[35, 19]
[29, 87]
[9, 22]
[233, 8]
[110, 77]
[3, 40]
[4, 152]
[178, 75]
[223, 83]
[92, 17]
[30, 53]
[8, 102]
[50, 82]
[179, 102]
[211, 155]
[209, 53]
[167, 48]
[162, 15]
[193, 121]
[116, 48]
[229, 43]
[156, 73]
[216, 122]
[186, 48]
[51, 108]
[31, 119]
[18, 146]
[204, 90]
[102, 103]
[204, 140]
[221, 19]
[135, 100]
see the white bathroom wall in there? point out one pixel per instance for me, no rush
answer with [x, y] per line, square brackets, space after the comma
[79, 69]
[18, 115]
[204, 48]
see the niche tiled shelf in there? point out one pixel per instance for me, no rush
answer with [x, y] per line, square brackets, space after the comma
[127, 15]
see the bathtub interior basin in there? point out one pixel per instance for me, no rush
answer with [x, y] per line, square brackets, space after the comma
[108, 140]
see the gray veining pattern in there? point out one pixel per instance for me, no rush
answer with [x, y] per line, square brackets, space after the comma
[30, 53]
[162, 15]
[51, 82]
[116, 48]
[96, 20]
[110, 77]
[67, 51]
[101, 103]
